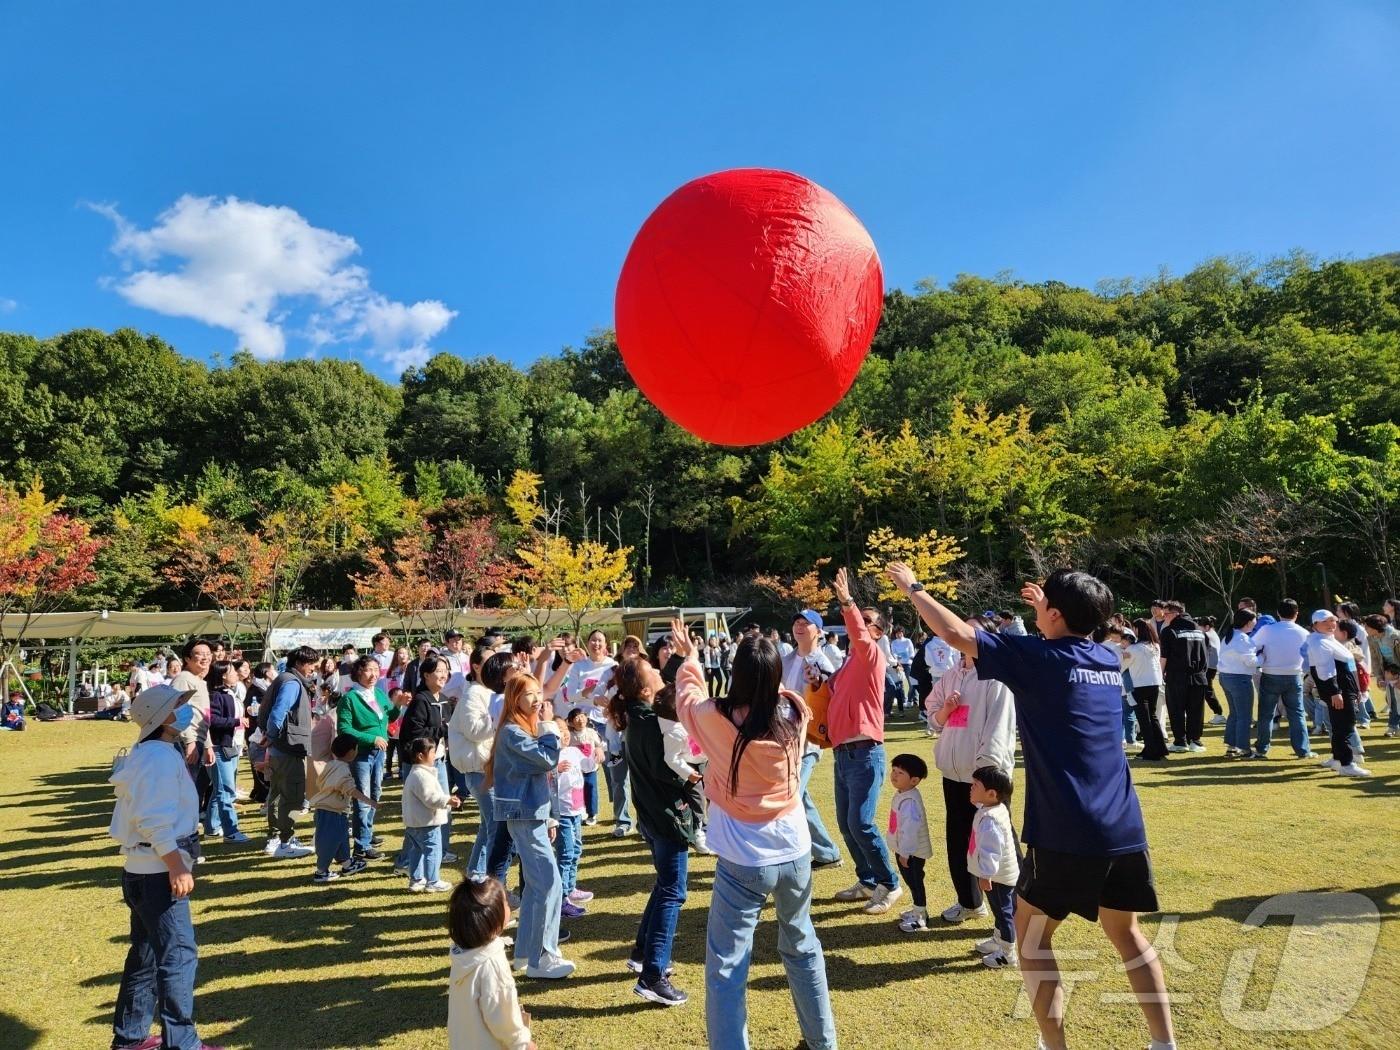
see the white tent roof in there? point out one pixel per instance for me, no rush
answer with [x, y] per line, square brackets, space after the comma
[108, 624]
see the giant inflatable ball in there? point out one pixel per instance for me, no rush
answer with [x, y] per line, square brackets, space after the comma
[747, 303]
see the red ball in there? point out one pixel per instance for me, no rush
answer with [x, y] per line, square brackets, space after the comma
[747, 303]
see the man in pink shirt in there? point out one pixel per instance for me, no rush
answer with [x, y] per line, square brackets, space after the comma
[856, 724]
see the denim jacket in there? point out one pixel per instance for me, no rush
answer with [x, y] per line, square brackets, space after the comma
[521, 768]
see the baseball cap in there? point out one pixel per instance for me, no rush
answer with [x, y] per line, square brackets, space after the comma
[811, 616]
[454, 633]
[1323, 614]
[152, 706]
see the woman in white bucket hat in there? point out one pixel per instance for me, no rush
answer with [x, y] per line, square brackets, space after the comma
[155, 820]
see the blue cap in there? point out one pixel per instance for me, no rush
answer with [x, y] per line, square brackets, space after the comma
[811, 616]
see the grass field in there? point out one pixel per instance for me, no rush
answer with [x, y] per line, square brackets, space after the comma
[284, 963]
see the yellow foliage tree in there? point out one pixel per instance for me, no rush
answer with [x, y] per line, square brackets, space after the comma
[574, 578]
[929, 555]
[523, 498]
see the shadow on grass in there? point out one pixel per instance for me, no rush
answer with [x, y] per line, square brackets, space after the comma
[1385, 896]
[15, 1034]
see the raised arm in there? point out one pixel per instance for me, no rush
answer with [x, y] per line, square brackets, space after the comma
[941, 620]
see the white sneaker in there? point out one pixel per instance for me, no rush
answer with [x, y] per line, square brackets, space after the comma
[417, 885]
[1218, 720]
[914, 921]
[1354, 770]
[437, 887]
[957, 913]
[518, 965]
[1194, 747]
[272, 845]
[990, 946]
[1176, 749]
[882, 899]
[449, 857]
[1001, 958]
[857, 892]
[1330, 763]
[551, 968]
[292, 848]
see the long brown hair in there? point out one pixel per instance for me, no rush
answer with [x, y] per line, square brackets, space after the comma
[516, 689]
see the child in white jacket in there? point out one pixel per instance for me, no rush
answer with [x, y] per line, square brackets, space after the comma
[683, 756]
[482, 1007]
[908, 836]
[993, 860]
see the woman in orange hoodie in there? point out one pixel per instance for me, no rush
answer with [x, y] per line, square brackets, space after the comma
[753, 738]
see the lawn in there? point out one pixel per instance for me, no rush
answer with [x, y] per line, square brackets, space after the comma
[284, 963]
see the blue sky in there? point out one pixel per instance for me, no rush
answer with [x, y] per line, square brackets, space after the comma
[377, 181]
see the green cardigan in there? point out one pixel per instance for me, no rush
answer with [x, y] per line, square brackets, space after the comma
[355, 717]
[660, 798]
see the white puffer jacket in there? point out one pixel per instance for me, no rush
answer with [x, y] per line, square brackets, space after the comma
[992, 852]
[980, 732]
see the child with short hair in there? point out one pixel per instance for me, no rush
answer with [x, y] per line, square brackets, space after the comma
[994, 861]
[568, 812]
[483, 1009]
[331, 803]
[425, 808]
[13, 714]
[908, 836]
[590, 745]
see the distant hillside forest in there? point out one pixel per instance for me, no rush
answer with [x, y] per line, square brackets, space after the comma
[1224, 433]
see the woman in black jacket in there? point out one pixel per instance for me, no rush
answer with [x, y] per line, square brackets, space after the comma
[660, 799]
[221, 817]
[426, 716]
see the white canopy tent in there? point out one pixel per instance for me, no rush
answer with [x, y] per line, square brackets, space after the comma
[78, 627]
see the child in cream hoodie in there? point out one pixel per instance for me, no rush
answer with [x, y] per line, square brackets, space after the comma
[482, 1007]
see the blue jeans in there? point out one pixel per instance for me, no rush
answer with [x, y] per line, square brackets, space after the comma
[860, 772]
[824, 851]
[1129, 720]
[1288, 690]
[222, 818]
[739, 895]
[369, 779]
[618, 788]
[568, 848]
[1392, 721]
[332, 838]
[538, 932]
[159, 974]
[422, 853]
[1239, 698]
[476, 787]
[657, 931]
[500, 851]
[445, 836]
[590, 794]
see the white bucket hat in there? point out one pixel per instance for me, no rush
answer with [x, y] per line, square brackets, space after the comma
[152, 706]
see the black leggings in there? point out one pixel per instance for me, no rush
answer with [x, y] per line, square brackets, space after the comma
[913, 871]
[714, 679]
[1154, 744]
[1211, 701]
[960, 812]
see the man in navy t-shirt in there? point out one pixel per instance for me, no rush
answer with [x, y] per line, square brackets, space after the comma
[1086, 844]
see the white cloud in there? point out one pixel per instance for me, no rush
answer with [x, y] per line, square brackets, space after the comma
[249, 267]
[7, 305]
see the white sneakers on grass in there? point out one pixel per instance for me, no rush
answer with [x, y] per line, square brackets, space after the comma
[551, 968]
[957, 913]
[292, 848]
[856, 892]
[1354, 770]
[882, 899]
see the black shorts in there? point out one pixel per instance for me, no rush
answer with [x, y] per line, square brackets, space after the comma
[1060, 883]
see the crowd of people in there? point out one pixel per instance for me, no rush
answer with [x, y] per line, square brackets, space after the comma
[708, 745]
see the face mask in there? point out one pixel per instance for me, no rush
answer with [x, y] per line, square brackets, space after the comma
[184, 717]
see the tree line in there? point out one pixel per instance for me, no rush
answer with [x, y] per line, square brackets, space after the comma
[1198, 436]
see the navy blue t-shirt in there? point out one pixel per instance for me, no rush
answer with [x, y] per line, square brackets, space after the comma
[1069, 711]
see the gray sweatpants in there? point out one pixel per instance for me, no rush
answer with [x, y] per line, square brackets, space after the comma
[286, 792]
